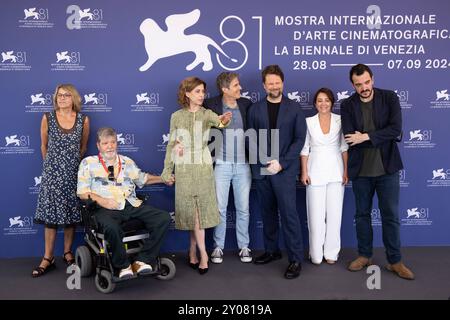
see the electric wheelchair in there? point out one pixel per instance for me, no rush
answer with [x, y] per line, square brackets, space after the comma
[95, 254]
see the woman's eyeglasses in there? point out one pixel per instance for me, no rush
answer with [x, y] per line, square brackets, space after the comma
[63, 95]
[111, 173]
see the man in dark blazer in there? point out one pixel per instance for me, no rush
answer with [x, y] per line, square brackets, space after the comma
[279, 134]
[372, 125]
[231, 164]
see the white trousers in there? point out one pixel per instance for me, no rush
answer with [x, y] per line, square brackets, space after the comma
[324, 210]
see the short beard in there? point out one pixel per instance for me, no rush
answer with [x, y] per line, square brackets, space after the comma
[113, 158]
[271, 95]
[370, 93]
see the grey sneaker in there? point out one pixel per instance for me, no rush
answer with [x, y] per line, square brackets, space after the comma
[246, 255]
[217, 255]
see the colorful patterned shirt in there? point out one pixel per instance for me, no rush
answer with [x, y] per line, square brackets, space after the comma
[92, 177]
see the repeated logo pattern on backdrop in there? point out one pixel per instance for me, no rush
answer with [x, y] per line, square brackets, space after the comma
[127, 63]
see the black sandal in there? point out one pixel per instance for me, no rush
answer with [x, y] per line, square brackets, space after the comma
[40, 271]
[68, 262]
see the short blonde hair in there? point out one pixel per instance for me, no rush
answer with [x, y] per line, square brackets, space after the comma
[187, 85]
[76, 98]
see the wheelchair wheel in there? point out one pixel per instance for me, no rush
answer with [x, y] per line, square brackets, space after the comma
[168, 269]
[103, 282]
[83, 260]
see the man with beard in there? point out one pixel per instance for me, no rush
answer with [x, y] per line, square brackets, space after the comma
[372, 126]
[280, 134]
[110, 180]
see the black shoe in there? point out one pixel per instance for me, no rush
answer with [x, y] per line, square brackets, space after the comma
[267, 257]
[192, 265]
[293, 270]
[202, 271]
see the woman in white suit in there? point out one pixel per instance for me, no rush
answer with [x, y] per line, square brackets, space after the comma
[324, 172]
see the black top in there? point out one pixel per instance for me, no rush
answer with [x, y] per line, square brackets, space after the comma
[387, 118]
[372, 166]
[272, 109]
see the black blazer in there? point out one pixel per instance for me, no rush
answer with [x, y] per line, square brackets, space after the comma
[387, 118]
[292, 132]
[215, 104]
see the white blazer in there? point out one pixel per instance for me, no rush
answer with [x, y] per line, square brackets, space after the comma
[325, 162]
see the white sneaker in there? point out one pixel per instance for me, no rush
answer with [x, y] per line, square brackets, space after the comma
[217, 255]
[140, 267]
[246, 255]
[126, 273]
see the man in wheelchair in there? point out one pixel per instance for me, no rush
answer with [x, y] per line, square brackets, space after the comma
[110, 180]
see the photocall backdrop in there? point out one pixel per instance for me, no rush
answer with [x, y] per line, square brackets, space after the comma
[128, 58]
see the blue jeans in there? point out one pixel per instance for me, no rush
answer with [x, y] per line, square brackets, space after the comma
[387, 188]
[240, 176]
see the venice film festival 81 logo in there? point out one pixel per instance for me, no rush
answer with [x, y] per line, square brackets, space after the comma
[302, 97]
[440, 178]
[231, 219]
[126, 142]
[419, 138]
[164, 141]
[87, 18]
[40, 102]
[35, 185]
[35, 18]
[442, 100]
[404, 183]
[341, 96]
[416, 217]
[146, 101]
[403, 97]
[19, 225]
[14, 60]
[160, 44]
[67, 61]
[17, 144]
[253, 96]
[96, 102]
[375, 216]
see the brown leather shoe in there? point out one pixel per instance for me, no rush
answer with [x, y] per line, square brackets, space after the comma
[401, 270]
[359, 263]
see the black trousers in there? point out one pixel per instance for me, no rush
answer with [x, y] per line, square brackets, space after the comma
[156, 221]
[277, 193]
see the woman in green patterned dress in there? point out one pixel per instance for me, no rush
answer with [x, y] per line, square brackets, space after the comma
[187, 155]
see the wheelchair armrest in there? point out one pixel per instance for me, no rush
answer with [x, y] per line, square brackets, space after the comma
[142, 196]
[87, 207]
[88, 204]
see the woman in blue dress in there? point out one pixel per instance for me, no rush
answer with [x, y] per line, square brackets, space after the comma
[64, 137]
